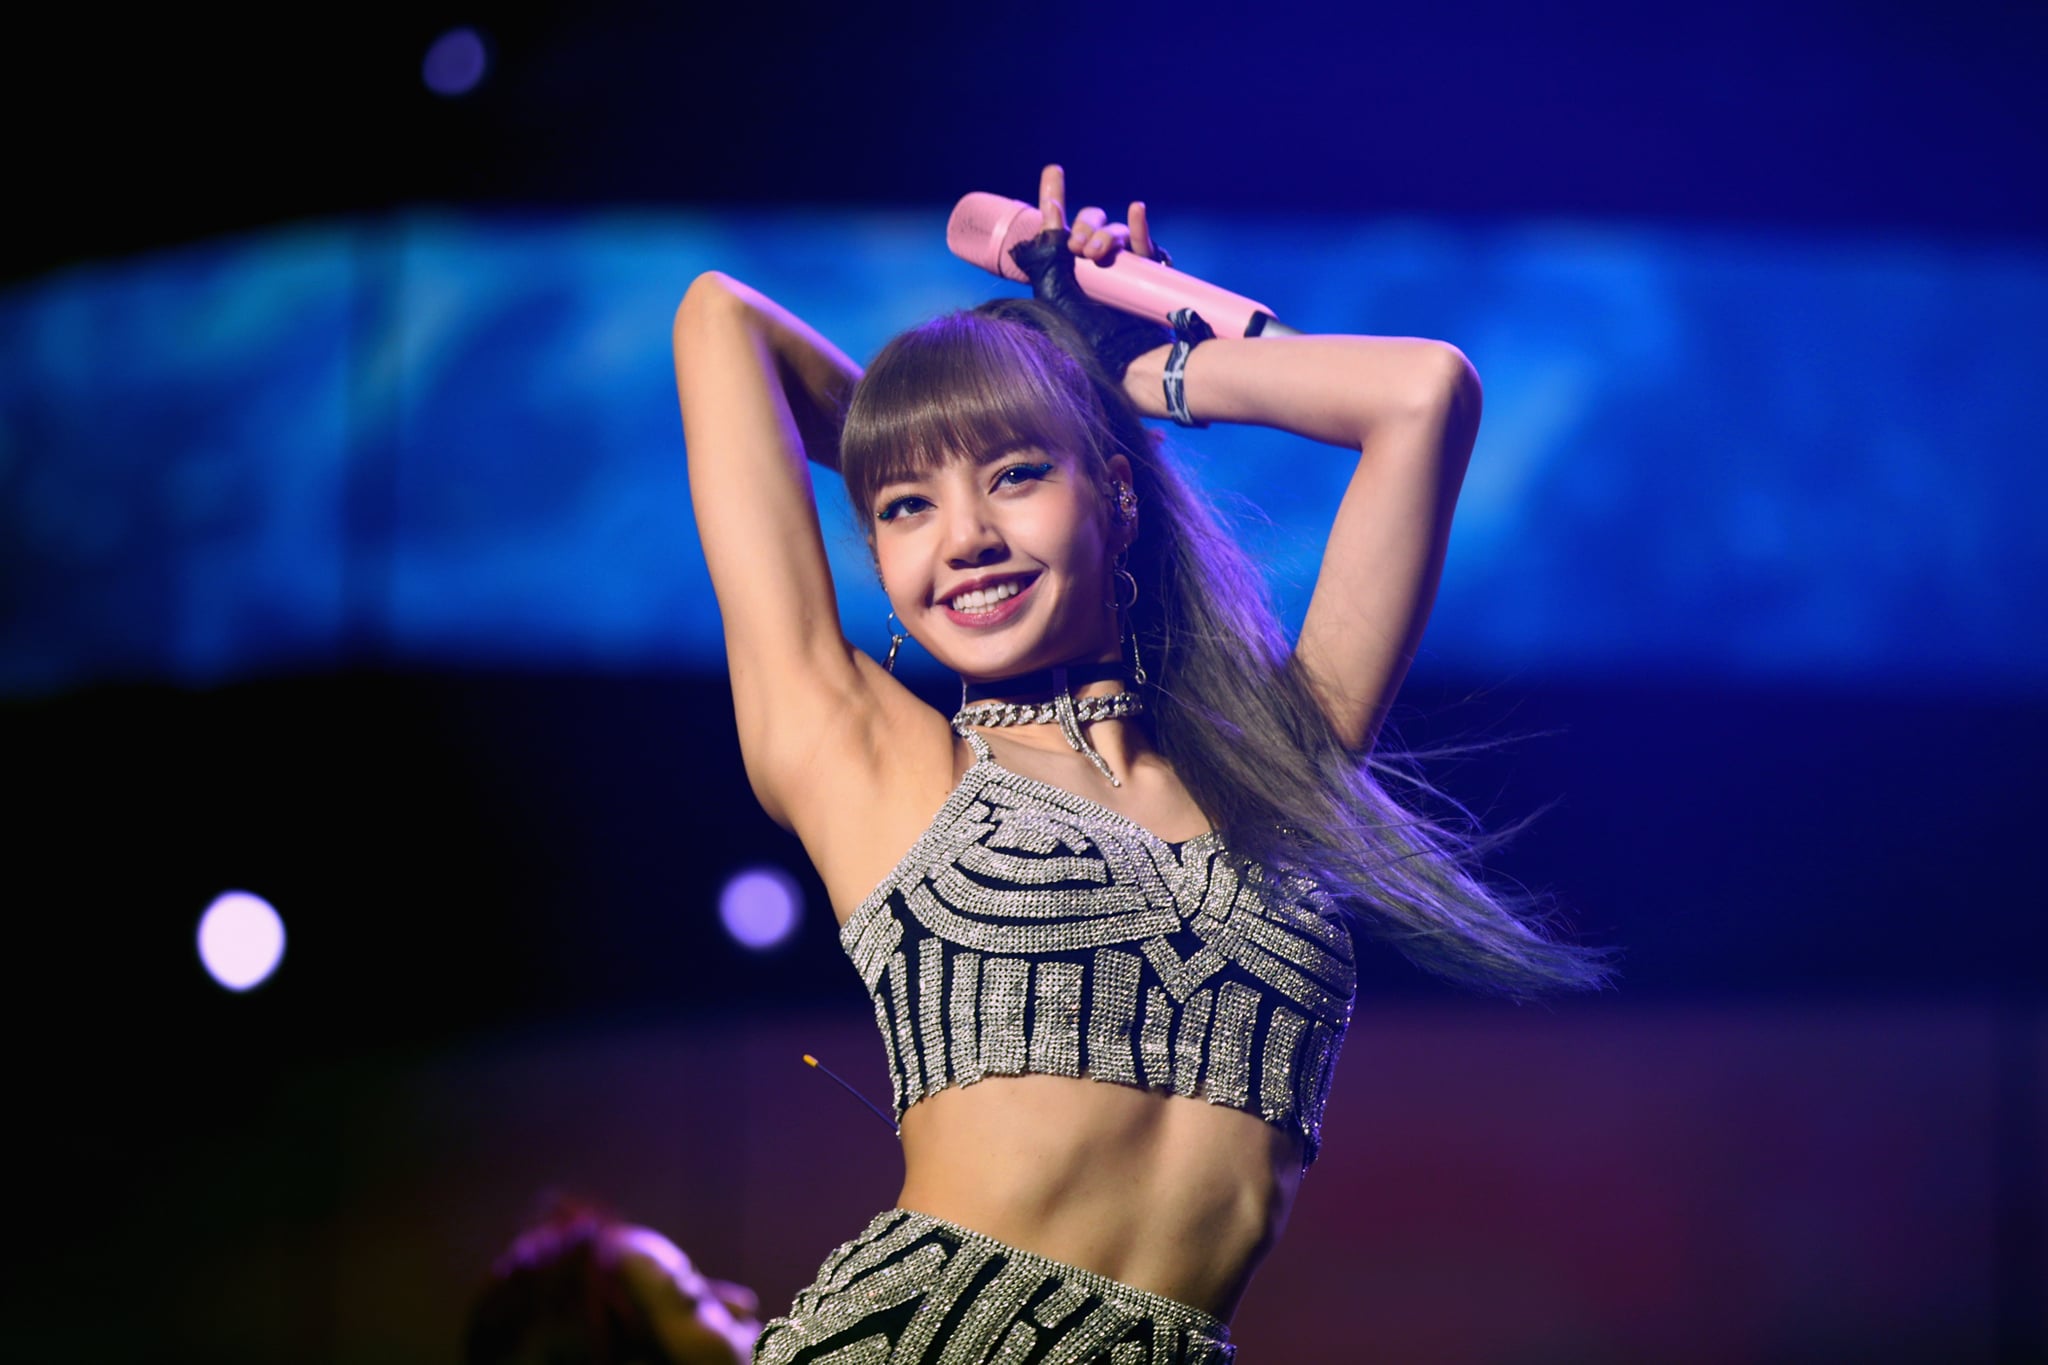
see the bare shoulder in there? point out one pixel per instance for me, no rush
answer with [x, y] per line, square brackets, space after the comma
[880, 766]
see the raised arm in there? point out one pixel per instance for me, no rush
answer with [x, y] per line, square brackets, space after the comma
[1410, 408]
[760, 393]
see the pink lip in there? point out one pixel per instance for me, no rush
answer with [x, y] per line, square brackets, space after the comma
[995, 616]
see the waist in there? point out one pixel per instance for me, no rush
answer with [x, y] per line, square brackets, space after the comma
[1170, 1195]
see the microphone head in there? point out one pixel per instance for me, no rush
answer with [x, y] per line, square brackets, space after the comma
[985, 226]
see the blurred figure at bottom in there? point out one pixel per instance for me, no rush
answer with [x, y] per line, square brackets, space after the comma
[582, 1287]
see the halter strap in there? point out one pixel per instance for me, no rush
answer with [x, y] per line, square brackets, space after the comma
[978, 744]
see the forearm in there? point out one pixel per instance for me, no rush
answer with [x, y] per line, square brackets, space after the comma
[1340, 390]
[1408, 410]
[814, 376]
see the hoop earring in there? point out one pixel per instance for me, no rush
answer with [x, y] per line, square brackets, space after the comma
[1119, 577]
[1127, 638]
[897, 635]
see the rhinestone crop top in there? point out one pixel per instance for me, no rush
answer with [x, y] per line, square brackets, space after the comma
[1032, 931]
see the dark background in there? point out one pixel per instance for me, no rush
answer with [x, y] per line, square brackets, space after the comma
[133, 129]
[476, 858]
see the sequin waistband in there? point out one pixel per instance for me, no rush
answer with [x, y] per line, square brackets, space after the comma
[913, 1287]
[1142, 1302]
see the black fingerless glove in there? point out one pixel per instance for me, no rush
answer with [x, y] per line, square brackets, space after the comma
[1116, 337]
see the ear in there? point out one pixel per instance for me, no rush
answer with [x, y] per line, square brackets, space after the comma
[1122, 531]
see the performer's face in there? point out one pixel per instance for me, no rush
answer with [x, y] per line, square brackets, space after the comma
[999, 564]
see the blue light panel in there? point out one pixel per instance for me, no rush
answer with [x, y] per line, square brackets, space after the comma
[452, 441]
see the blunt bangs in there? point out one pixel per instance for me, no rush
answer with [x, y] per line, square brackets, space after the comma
[960, 386]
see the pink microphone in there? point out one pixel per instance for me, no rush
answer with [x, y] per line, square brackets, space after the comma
[985, 226]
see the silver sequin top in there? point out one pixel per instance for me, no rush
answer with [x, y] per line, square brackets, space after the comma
[1032, 931]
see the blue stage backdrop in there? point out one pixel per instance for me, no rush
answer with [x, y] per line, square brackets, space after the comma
[438, 441]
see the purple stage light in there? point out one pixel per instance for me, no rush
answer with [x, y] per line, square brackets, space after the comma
[760, 907]
[455, 63]
[241, 940]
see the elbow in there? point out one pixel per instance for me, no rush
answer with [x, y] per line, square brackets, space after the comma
[708, 288]
[711, 295]
[1445, 382]
[1441, 393]
[1465, 398]
[1464, 377]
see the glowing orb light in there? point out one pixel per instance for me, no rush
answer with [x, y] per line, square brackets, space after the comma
[455, 63]
[241, 940]
[760, 907]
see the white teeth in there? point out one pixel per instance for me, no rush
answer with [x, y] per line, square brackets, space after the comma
[982, 599]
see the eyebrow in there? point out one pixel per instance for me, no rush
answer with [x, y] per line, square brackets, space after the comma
[1002, 450]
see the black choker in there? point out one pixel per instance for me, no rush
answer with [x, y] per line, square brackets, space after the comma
[1061, 709]
[1043, 683]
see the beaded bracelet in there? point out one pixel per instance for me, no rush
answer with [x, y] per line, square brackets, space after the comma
[1189, 331]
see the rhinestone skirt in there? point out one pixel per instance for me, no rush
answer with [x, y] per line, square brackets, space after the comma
[916, 1290]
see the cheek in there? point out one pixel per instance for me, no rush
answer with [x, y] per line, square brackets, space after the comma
[1069, 534]
[898, 574]
[1088, 545]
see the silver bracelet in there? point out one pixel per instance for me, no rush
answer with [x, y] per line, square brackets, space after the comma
[1189, 331]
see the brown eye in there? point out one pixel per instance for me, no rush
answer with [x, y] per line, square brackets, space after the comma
[890, 511]
[1018, 474]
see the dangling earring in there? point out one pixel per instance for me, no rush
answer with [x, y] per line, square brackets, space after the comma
[1120, 578]
[897, 636]
[1126, 505]
[1123, 510]
[1127, 638]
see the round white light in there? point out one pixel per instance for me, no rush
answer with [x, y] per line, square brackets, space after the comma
[760, 907]
[241, 940]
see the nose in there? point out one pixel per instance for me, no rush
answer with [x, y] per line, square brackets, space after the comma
[971, 539]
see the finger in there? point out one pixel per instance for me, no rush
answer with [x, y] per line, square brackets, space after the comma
[1103, 246]
[1141, 230]
[1087, 223]
[1052, 197]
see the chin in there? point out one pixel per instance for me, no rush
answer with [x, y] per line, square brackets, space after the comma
[1007, 651]
[990, 668]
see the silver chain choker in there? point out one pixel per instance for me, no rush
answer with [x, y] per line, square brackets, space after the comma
[1064, 709]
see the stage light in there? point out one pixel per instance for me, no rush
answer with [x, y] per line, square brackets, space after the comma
[455, 63]
[241, 940]
[760, 907]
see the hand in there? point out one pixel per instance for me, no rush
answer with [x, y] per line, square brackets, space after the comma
[1047, 260]
[1092, 235]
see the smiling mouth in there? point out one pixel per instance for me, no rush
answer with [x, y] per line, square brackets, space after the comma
[982, 600]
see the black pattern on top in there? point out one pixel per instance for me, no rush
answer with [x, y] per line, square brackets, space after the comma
[1032, 931]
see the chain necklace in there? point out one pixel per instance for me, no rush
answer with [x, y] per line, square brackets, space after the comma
[1063, 709]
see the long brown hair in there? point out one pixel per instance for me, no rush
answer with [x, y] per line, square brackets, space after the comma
[1231, 708]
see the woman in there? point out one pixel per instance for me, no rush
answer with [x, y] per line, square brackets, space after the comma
[1155, 820]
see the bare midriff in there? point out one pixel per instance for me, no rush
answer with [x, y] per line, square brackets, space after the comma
[1175, 1196]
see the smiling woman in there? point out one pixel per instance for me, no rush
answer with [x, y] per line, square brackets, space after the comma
[1114, 970]
[973, 545]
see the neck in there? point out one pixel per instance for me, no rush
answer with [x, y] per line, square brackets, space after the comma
[1047, 696]
[1040, 683]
